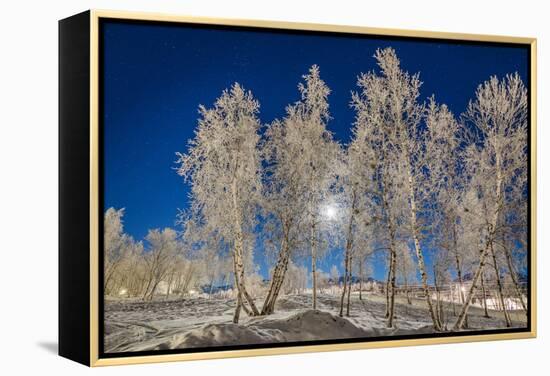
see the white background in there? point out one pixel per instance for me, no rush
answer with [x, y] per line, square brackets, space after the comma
[28, 185]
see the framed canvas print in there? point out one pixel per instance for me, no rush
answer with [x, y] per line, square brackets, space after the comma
[235, 188]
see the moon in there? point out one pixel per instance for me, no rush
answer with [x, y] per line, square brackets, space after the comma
[330, 212]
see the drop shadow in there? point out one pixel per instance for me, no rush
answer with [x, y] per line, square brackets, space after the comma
[50, 347]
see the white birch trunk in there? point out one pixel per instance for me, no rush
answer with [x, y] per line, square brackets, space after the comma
[499, 288]
[483, 253]
[419, 253]
[238, 255]
[313, 264]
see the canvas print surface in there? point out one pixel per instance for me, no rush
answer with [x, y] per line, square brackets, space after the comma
[268, 187]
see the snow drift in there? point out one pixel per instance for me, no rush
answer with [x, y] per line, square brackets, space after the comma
[307, 325]
[199, 323]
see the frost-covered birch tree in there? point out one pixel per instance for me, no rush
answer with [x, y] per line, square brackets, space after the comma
[223, 164]
[117, 246]
[301, 155]
[284, 205]
[439, 191]
[159, 258]
[405, 114]
[497, 161]
[356, 216]
[320, 154]
[384, 105]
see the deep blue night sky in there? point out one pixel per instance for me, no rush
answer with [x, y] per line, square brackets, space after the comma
[155, 76]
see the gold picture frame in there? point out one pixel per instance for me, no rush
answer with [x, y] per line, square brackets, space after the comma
[92, 259]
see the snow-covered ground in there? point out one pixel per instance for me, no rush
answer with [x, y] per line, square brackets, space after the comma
[203, 322]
